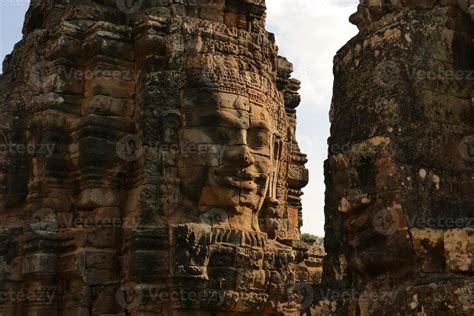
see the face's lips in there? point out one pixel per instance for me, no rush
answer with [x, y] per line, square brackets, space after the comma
[242, 174]
[242, 179]
[240, 184]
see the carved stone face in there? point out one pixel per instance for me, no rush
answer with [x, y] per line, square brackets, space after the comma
[377, 242]
[376, 230]
[232, 173]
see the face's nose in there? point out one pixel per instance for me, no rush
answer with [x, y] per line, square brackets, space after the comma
[238, 156]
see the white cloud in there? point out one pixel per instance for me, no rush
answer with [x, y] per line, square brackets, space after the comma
[309, 33]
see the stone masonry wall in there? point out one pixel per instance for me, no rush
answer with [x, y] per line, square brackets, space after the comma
[400, 200]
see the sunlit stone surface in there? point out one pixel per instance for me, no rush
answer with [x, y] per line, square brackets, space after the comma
[162, 175]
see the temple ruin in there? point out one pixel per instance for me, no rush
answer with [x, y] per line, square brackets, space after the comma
[400, 202]
[174, 177]
[150, 165]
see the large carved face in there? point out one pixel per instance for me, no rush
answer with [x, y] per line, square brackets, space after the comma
[232, 170]
[377, 238]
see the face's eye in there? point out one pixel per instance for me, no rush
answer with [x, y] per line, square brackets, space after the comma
[258, 138]
[219, 135]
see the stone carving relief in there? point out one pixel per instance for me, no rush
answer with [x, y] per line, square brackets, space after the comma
[175, 166]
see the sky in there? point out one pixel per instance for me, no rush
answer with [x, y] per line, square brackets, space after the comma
[308, 33]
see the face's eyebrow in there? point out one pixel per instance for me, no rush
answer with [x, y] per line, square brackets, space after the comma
[224, 118]
[259, 124]
[260, 121]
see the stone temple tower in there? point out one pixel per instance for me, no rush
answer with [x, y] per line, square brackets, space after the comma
[150, 163]
[400, 201]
